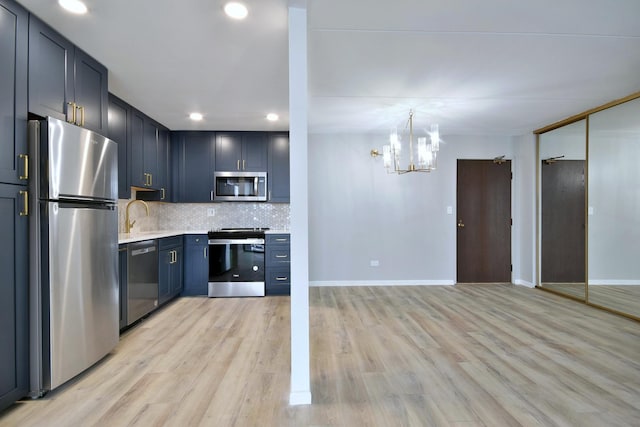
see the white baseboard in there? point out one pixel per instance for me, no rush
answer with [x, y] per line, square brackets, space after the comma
[319, 283]
[300, 398]
[524, 283]
[614, 282]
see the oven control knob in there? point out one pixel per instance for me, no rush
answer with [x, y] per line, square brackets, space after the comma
[255, 268]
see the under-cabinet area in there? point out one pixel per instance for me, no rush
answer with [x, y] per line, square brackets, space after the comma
[156, 267]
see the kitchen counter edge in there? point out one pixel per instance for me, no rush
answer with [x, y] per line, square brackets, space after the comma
[124, 238]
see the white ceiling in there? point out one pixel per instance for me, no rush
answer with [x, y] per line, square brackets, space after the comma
[492, 67]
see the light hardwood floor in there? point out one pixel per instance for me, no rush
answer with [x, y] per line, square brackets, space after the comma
[465, 355]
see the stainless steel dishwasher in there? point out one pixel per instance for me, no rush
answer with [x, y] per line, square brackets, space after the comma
[142, 289]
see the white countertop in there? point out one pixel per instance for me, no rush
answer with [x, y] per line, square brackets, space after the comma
[138, 236]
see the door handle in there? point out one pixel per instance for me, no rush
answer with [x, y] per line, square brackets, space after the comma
[25, 159]
[25, 209]
[73, 112]
[460, 223]
[81, 123]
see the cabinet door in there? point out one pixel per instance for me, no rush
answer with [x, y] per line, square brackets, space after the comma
[195, 166]
[124, 277]
[254, 152]
[14, 333]
[196, 265]
[51, 59]
[13, 91]
[164, 276]
[137, 149]
[177, 271]
[278, 172]
[163, 182]
[119, 131]
[150, 157]
[228, 155]
[91, 92]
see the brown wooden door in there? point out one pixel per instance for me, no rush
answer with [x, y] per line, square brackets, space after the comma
[563, 222]
[484, 221]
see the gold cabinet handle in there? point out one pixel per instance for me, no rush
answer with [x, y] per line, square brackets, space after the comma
[282, 279]
[150, 179]
[25, 159]
[282, 256]
[281, 239]
[25, 199]
[81, 123]
[204, 250]
[238, 164]
[73, 112]
[163, 194]
[243, 164]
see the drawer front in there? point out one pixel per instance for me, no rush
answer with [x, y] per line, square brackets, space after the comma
[278, 277]
[277, 255]
[169, 242]
[276, 239]
[196, 239]
[278, 281]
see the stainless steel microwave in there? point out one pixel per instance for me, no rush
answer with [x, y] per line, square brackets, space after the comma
[240, 187]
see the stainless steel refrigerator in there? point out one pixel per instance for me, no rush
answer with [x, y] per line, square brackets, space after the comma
[74, 289]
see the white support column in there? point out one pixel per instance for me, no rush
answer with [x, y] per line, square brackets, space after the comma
[298, 101]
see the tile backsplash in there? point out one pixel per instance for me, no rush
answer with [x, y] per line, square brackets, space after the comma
[194, 216]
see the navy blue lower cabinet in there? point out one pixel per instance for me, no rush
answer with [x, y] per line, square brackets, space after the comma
[14, 321]
[278, 264]
[170, 265]
[196, 264]
[124, 277]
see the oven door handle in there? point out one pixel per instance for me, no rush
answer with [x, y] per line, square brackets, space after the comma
[236, 241]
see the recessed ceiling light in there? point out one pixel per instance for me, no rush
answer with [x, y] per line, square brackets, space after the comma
[195, 116]
[236, 10]
[272, 117]
[73, 6]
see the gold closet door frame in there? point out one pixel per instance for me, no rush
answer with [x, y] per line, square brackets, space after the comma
[569, 120]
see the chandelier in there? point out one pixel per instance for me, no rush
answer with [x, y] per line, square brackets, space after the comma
[418, 155]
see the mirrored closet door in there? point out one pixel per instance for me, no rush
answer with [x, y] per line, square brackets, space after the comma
[589, 207]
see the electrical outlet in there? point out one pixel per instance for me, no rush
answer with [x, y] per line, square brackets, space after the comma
[374, 263]
[211, 212]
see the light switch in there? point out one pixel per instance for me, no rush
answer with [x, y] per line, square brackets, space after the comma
[211, 211]
[590, 210]
[449, 210]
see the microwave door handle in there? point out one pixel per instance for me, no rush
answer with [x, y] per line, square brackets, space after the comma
[255, 185]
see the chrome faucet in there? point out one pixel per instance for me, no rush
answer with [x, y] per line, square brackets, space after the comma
[127, 224]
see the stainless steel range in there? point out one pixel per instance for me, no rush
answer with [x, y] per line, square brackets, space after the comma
[236, 262]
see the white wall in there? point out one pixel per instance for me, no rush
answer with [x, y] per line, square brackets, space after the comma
[359, 213]
[524, 216]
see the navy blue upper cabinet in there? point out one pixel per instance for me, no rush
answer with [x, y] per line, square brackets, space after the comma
[14, 26]
[138, 177]
[120, 132]
[91, 90]
[65, 82]
[278, 172]
[241, 151]
[194, 165]
[147, 137]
